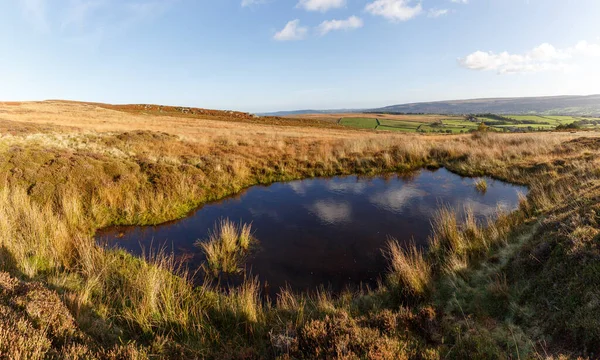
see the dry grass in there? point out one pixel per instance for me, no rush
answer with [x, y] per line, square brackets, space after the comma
[67, 169]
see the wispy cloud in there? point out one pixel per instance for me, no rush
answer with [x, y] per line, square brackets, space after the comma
[436, 13]
[35, 12]
[460, 1]
[352, 22]
[320, 5]
[78, 12]
[87, 23]
[78, 17]
[395, 10]
[545, 57]
[246, 3]
[292, 31]
[146, 10]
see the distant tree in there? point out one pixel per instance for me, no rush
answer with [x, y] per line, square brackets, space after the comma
[572, 126]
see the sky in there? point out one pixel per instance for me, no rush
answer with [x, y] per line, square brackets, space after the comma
[270, 55]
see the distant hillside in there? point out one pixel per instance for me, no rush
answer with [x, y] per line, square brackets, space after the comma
[548, 105]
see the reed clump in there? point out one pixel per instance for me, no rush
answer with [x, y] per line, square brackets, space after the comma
[226, 248]
[481, 185]
[409, 270]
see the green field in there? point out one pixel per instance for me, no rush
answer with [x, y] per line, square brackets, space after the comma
[423, 123]
[562, 119]
[362, 123]
[535, 126]
[552, 120]
[454, 126]
[529, 118]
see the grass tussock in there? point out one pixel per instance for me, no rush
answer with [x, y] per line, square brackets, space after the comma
[226, 247]
[481, 185]
[409, 269]
[36, 238]
[487, 289]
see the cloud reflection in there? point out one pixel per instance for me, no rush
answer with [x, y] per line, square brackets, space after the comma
[262, 211]
[347, 187]
[481, 209]
[332, 212]
[396, 199]
[299, 187]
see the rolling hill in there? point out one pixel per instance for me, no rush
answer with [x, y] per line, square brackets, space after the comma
[547, 105]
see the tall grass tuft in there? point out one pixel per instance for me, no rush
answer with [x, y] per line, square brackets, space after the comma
[245, 302]
[226, 248]
[447, 237]
[34, 235]
[409, 270]
[481, 185]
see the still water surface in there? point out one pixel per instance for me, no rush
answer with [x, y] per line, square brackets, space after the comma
[323, 231]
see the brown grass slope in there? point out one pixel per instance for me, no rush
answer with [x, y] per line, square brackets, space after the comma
[522, 286]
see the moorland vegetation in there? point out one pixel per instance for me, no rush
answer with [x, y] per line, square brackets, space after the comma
[524, 285]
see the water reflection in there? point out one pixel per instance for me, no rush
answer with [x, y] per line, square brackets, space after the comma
[324, 231]
[396, 199]
[357, 187]
[331, 212]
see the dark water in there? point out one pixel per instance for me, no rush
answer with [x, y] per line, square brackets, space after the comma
[324, 231]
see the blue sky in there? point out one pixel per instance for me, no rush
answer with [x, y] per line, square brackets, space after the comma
[266, 55]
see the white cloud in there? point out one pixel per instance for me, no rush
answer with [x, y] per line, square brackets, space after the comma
[352, 22]
[460, 1]
[291, 31]
[541, 58]
[320, 5]
[435, 13]
[246, 3]
[395, 10]
[584, 48]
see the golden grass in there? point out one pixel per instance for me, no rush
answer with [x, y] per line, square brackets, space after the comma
[409, 269]
[34, 235]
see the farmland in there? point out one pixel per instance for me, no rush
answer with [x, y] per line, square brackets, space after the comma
[452, 124]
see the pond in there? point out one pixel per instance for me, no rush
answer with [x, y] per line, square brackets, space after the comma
[323, 231]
